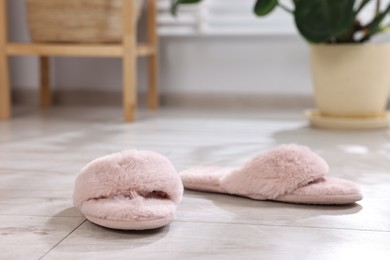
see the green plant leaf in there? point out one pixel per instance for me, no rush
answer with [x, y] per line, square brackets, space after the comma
[296, 1]
[361, 6]
[264, 7]
[321, 20]
[374, 26]
[175, 4]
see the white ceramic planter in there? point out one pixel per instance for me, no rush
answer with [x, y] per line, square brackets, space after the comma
[351, 80]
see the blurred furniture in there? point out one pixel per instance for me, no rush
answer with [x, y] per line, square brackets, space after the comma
[128, 50]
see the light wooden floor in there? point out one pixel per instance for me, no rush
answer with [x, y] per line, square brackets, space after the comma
[41, 154]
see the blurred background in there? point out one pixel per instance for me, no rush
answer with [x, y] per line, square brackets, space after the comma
[214, 52]
[216, 47]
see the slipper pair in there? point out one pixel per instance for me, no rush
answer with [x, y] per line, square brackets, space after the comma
[136, 190]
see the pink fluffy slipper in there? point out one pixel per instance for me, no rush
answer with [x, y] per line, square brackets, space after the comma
[287, 173]
[130, 190]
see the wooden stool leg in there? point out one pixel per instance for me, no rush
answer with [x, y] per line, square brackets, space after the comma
[5, 88]
[153, 97]
[129, 60]
[129, 86]
[45, 91]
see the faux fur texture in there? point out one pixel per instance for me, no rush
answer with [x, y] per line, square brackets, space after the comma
[205, 178]
[290, 173]
[276, 172]
[130, 185]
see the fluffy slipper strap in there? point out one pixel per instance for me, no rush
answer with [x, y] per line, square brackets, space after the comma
[127, 173]
[275, 173]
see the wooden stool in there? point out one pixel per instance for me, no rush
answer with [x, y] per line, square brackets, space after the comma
[128, 50]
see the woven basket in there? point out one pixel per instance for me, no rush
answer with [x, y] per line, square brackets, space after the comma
[76, 21]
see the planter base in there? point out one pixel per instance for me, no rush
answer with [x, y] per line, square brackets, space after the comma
[347, 123]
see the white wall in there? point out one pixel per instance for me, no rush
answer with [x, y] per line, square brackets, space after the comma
[249, 64]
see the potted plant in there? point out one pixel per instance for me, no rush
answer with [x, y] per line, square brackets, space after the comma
[351, 77]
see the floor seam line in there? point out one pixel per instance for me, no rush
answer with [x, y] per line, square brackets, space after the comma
[274, 225]
[41, 216]
[61, 240]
